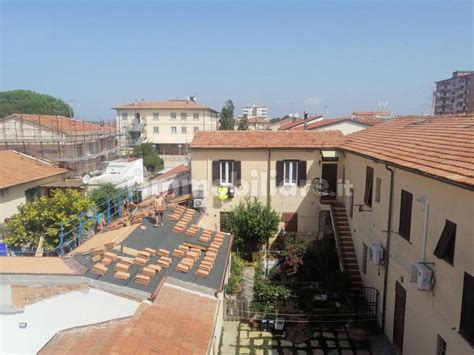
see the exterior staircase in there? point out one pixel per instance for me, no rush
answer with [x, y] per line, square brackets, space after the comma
[345, 244]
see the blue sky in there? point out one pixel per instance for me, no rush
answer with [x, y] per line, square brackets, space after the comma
[337, 56]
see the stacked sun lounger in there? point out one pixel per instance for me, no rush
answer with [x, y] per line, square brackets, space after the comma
[207, 263]
[205, 236]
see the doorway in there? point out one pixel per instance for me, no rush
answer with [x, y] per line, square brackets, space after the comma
[399, 316]
[329, 179]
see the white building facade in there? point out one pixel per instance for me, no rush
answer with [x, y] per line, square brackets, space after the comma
[255, 111]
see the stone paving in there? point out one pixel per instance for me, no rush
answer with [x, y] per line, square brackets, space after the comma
[240, 338]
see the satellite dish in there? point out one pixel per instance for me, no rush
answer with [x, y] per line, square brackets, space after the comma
[86, 179]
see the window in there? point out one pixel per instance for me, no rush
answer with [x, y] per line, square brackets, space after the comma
[195, 129]
[196, 116]
[32, 194]
[184, 130]
[173, 116]
[445, 247]
[156, 129]
[440, 346]
[290, 172]
[364, 258]
[124, 116]
[369, 183]
[466, 327]
[378, 189]
[79, 150]
[156, 116]
[174, 130]
[405, 214]
[226, 172]
[91, 147]
[183, 116]
[351, 202]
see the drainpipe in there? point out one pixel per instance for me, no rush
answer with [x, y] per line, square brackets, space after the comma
[389, 232]
[268, 204]
[425, 208]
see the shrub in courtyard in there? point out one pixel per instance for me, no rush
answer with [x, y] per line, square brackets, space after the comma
[252, 223]
[42, 217]
[267, 295]
[236, 273]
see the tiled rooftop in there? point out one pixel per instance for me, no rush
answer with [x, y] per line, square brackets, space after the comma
[266, 139]
[65, 124]
[165, 105]
[19, 169]
[178, 322]
[330, 121]
[442, 147]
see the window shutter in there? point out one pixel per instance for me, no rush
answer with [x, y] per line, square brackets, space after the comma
[279, 173]
[369, 182]
[215, 172]
[301, 173]
[237, 173]
[405, 214]
[445, 247]
[466, 327]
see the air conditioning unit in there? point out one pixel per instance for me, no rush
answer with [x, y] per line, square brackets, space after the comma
[198, 193]
[422, 275]
[199, 203]
[376, 254]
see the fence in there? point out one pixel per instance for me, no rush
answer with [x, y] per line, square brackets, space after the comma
[236, 309]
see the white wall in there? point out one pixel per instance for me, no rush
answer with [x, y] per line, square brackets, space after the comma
[44, 319]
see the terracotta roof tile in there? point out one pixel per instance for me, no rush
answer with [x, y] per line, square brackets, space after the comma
[266, 139]
[16, 169]
[165, 105]
[438, 146]
[178, 322]
[65, 124]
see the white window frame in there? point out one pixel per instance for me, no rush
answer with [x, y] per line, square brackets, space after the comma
[184, 116]
[289, 168]
[173, 116]
[173, 130]
[156, 116]
[195, 129]
[196, 116]
[226, 169]
[156, 129]
[184, 130]
[124, 116]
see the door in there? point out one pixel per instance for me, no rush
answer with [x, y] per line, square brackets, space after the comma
[399, 316]
[329, 177]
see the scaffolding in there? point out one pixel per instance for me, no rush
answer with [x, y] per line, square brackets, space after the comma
[79, 146]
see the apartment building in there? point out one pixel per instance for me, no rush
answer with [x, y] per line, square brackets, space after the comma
[275, 167]
[402, 206]
[78, 146]
[456, 94]
[255, 111]
[255, 124]
[170, 125]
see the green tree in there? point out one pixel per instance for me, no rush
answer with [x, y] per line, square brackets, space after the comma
[227, 116]
[42, 217]
[151, 159]
[27, 101]
[244, 123]
[103, 193]
[252, 224]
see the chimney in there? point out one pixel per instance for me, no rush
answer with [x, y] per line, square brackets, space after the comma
[305, 120]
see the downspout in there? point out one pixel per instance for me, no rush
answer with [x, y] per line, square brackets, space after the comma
[425, 208]
[389, 232]
[268, 205]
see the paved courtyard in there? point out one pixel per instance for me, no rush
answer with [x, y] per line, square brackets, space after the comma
[240, 338]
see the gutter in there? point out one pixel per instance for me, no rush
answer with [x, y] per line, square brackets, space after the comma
[389, 232]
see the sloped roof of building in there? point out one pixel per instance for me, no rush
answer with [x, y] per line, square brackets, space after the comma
[178, 322]
[165, 105]
[441, 147]
[65, 124]
[331, 121]
[177, 170]
[298, 122]
[17, 169]
[266, 139]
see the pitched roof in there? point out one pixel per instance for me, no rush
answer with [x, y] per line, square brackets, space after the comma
[178, 322]
[165, 105]
[330, 121]
[371, 113]
[17, 168]
[266, 139]
[65, 124]
[177, 170]
[298, 122]
[439, 147]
